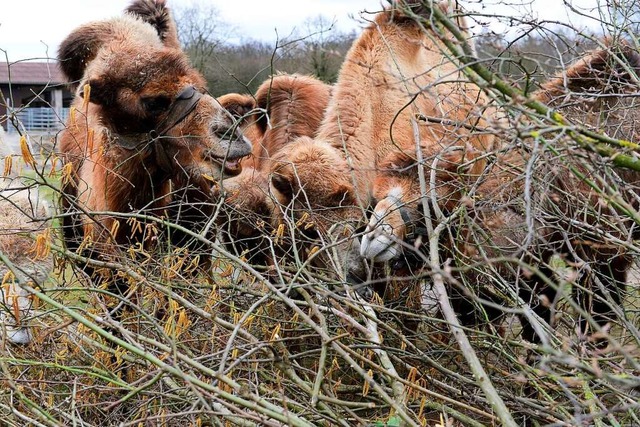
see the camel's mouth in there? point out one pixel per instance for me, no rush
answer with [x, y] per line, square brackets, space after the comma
[231, 166]
[234, 151]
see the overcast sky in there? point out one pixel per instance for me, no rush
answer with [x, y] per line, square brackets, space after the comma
[34, 28]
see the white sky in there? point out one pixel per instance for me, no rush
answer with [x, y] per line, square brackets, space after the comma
[34, 28]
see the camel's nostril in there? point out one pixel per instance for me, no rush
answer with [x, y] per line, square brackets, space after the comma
[230, 135]
[223, 133]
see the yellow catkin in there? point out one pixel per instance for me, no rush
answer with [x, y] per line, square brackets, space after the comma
[377, 299]
[302, 220]
[413, 375]
[15, 307]
[41, 246]
[193, 265]
[248, 321]
[136, 226]
[87, 241]
[183, 322]
[54, 166]
[213, 299]
[60, 356]
[72, 117]
[35, 301]
[279, 234]
[334, 364]
[26, 152]
[169, 327]
[365, 386]
[119, 353]
[66, 172]
[114, 228]
[90, 137]
[177, 321]
[276, 331]
[6, 279]
[423, 403]
[336, 386]
[86, 94]
[411, 379]
[8, 165]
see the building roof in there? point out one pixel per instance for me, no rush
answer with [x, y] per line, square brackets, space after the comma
[31, 73]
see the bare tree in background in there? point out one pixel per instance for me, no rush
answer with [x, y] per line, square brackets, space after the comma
[324, 47]
[624, 18]
[318, 48]
[201, 32]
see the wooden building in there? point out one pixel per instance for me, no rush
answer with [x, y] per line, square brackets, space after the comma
[34, 95]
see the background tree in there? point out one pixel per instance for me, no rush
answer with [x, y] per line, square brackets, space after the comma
[325, 47]
[201, 32]
[240, 66]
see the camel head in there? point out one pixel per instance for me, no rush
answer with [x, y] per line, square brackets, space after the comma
[138, 90]
[312, 182]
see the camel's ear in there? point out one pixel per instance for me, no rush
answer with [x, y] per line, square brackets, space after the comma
[283, 184]
[342, 196]
[448, 7]
[157, 14]
[81, 47]
[239, 105]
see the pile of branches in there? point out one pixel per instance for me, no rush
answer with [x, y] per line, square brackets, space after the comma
[292, 344]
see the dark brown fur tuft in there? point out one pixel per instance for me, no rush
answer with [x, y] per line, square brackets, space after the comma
[157, 14]
[604, 71]
[80, 48]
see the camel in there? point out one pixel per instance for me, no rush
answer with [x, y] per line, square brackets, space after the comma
[394, 72]
[287, 106]
[532, 204]
[144, 137]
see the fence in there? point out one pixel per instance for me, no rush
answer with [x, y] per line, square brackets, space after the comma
[43, 119]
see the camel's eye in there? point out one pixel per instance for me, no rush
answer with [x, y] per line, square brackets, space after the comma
[156, 104]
